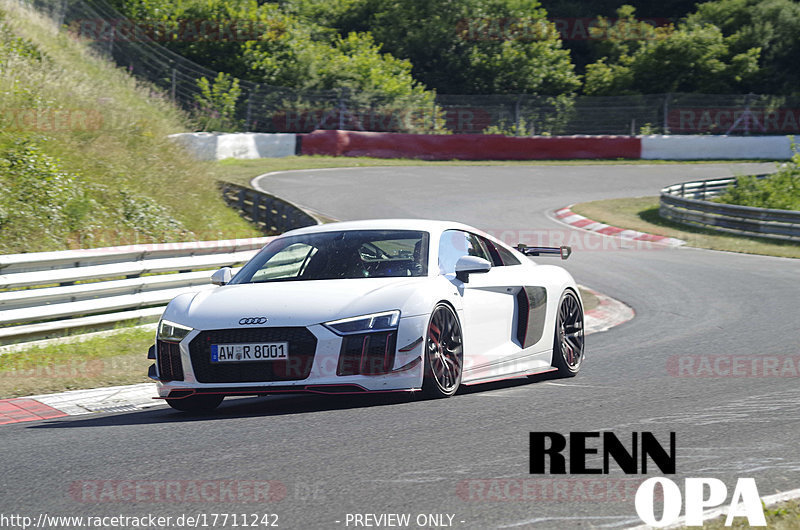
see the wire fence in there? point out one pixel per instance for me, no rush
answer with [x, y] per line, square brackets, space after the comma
[265, 108]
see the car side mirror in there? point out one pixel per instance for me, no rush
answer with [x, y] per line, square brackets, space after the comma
[467, 265]
[222, 276]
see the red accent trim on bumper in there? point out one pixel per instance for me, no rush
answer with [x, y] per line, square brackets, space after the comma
[332, 389]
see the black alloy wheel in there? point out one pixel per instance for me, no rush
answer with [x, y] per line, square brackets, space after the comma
[444, 353]
[568, 342]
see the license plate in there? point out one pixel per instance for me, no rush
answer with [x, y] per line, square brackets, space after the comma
[248, 353]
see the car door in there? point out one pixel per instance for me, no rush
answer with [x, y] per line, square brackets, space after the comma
[530, 311]
[489, 304]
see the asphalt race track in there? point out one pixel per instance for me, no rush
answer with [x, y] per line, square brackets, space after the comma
[334, 456]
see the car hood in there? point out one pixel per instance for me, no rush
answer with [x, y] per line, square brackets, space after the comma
[298, 303]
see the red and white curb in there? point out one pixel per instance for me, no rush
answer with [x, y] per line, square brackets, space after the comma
[126, 398]
[608, 313]
[26, 409]
[131, 398]
[568, 217]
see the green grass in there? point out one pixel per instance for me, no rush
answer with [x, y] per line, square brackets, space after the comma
[123, 181]
[783, 516]
[641, 213]
[590, 301]
[117, 359]
[242, 171]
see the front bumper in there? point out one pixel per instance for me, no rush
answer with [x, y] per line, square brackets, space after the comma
[404, 374]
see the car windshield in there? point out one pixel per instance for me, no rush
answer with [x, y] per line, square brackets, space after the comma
[338, 255]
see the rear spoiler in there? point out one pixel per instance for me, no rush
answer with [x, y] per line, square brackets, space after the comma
[563, 251]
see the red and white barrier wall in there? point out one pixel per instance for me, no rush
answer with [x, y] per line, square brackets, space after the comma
[467, 146]
[497, 147]
[218, 146]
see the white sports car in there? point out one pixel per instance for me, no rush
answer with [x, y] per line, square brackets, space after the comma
[370, 306]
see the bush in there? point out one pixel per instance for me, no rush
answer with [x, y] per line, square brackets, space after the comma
[40, 203]
[217, 101]
[780, 191]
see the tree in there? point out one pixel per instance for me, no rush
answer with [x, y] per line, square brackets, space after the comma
[270, 45]
[689, 58]
[464, 47]
[772, 26]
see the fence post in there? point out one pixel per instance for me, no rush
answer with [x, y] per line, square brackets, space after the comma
[256, 210]
[111, 39]
[174, 74]
[249, 108]
[666, 113]
[62, 13]
[341, 110]
[517, 116]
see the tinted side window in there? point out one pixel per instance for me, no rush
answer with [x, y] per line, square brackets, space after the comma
[499, 255]
[507, 257]
[454, 244]
[491, 249]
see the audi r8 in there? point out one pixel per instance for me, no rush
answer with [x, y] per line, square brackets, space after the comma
[370, 306]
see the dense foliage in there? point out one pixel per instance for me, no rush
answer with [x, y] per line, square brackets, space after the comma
[400, 50]
[465, 47]
[691, 57]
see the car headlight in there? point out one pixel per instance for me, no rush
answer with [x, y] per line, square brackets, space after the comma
[375, 322]
[172, 331]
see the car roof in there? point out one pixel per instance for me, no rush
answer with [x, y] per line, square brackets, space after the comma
[426, 225]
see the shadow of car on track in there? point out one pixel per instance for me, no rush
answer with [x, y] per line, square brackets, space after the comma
[277, 405]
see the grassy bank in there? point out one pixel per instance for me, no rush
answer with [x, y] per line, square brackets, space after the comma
[118, 359]
[641, 213]
[83, 156]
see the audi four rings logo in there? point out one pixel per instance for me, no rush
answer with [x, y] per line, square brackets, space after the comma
[249, 321]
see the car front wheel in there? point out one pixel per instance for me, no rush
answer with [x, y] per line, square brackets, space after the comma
[444, 353]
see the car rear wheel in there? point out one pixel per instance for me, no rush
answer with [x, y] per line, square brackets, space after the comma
[444, 353]
[201, 403]
[568, 342]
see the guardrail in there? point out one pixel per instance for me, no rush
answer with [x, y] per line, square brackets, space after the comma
[686, 203]
[52, 294]
[272, 214]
